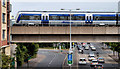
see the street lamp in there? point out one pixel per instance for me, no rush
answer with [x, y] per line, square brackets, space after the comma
[70, 26]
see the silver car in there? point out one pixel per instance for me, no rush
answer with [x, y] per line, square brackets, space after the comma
[82, 61]
[101, 60]
[91, 57]
[93, 62]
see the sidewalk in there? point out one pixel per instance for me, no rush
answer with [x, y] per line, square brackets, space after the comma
[110, 54]
[34, 62]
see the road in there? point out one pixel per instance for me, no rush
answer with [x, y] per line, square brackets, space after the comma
[53, 59]
[109, 62]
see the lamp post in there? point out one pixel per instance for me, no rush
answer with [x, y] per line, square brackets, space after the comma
[70, 10]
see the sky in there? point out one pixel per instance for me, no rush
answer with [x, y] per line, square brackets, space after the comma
[64, 0]
[85, 5]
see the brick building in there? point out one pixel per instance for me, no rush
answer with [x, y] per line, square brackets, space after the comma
[4, 26]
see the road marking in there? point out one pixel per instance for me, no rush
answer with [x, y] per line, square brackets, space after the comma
[52, 59]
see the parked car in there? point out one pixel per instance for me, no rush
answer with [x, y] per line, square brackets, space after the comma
[93, 62]
[101, 60]
[82, 61]
[98, 66]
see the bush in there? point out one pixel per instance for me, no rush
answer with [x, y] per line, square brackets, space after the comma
[6, 60]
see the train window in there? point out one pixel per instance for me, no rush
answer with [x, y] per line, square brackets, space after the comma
[104, 18]
[72, 17]
[77, 18]
[80, 17]
[119, 18]
[63, 18]
[54, 18]
[26, 17]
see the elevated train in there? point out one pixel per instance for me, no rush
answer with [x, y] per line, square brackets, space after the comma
[63, 18]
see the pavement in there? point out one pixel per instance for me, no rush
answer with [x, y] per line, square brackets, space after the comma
[47, 59]
[33, 62]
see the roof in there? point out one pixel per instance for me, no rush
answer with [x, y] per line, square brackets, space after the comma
[74, 11]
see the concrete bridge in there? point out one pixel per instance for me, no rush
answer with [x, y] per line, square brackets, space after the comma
[46, 34]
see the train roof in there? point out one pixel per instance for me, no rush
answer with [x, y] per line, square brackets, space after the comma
[74, 11]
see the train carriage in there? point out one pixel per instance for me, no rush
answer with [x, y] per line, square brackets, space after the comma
[104, 18]
[63, 18]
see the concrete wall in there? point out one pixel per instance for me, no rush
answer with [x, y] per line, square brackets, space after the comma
[65, 38]
[61, 34]
[64, 30]
[7, 50]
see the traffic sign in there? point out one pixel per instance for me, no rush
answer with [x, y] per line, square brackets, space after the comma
[70, 59]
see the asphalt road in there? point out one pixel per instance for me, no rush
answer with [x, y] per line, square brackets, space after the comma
[53, 60]
[109, 62]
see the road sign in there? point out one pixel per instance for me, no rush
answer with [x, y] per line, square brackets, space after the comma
[70, 59]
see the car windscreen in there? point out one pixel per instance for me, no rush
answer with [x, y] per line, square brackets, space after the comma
[82, 59]
[94, 61]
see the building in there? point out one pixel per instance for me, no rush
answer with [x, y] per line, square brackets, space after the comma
[4, 26]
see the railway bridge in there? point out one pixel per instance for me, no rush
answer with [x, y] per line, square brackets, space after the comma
[48, 34]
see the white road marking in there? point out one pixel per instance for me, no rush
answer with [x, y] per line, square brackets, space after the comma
[52, 59]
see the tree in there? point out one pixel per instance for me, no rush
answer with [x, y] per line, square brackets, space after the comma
[6, 60]
[33, 49]
[21, 54]
[113, 47]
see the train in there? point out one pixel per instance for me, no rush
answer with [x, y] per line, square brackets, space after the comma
[67, 17]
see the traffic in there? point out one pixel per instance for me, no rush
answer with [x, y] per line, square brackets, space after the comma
[92, 56]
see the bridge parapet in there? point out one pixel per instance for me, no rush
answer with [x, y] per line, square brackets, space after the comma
[64, 30]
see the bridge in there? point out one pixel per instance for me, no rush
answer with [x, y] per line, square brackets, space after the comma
[48, 34]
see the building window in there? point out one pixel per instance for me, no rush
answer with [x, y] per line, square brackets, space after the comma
[3, 36]
[3, 2]
[3, 17]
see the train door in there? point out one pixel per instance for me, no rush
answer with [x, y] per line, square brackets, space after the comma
[89, 19]
[45, 19]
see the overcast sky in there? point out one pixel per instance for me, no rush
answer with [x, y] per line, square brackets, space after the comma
[64, 0]
[87, 5]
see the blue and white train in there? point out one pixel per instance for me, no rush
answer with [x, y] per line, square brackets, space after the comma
[63, 18]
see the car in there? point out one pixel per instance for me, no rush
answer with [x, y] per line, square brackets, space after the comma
[82, 61]
[86, 47]
[88, 44]
[93, 48]
[80, 51]
[79, 47]
[101, 60]
[91, 57]
[98, 66]
[93, 62]
[83, 44]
